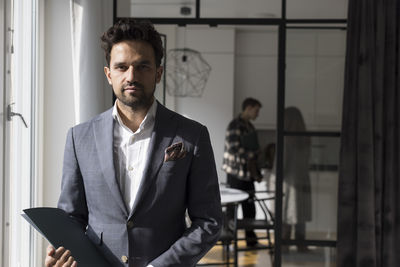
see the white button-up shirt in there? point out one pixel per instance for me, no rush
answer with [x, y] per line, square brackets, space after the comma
[131, 152]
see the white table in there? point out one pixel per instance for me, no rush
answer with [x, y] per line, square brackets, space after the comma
[231, 195]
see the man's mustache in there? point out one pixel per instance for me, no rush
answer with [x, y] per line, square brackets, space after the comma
[135, 84]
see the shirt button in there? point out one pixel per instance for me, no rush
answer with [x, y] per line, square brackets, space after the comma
[124, 259]
[130, 168]
[130, 224]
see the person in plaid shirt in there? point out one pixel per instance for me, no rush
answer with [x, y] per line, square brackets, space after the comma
[240, 158]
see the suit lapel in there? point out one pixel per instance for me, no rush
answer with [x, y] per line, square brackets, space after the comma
[161, 137]
[103, 133]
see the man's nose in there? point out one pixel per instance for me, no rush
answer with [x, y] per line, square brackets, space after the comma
[131, 74]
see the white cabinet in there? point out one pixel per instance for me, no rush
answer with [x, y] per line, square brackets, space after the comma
[315, 76]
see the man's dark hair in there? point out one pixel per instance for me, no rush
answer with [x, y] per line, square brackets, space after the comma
[132, 30]
[250, 102]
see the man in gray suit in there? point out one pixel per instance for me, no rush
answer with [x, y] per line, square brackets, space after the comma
[131, 173]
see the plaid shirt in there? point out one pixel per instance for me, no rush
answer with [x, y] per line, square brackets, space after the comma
[236, 155]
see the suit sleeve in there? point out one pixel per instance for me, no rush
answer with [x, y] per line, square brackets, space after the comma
[204, 209]
[72, 198]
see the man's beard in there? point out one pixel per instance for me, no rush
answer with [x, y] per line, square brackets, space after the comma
[141, 100]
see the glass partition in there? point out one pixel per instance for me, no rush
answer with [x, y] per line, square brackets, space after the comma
[315, 76]
[314, 79]
[256, 60]
[320, 257]
[295, 9]
[252, 9]
[316, 9]
[208, 9]
[156, 8]
[310, 186]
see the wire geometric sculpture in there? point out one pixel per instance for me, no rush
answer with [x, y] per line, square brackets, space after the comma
[187, 72]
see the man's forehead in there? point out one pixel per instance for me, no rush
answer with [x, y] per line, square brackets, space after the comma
[135, 44]
[139, 48]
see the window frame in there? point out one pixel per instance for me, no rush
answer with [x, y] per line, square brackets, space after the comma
[21, 185]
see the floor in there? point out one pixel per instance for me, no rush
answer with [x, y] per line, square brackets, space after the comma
[315, 257]
[245, 258]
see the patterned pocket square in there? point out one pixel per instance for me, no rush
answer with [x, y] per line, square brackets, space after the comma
[174, 152]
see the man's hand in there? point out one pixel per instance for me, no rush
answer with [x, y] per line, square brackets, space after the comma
[59, 258]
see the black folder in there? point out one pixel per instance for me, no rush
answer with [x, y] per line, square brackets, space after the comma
[61, 230]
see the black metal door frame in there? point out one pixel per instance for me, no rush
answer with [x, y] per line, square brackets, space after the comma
[283, 24]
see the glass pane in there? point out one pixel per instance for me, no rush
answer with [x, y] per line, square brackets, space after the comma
[216, 88]
[240, 9]
[315, 76]
[310, 187]
[256, 60]
[20, 157]
[306, 9]
[316, 9]
[156, 8]
[318, 257]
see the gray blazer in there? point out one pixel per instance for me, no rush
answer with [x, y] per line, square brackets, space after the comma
[154, 232]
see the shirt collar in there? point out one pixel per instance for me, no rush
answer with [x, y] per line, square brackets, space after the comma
[146, 123]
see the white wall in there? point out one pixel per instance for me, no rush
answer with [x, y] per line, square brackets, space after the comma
[170, 32]
[59, 114]
[58, 103]
[214, 108]
[58, 98]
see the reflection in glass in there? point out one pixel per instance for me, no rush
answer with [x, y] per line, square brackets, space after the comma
[323, 174]
[322, 169]
[296, 202]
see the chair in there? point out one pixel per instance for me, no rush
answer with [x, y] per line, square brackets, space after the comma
[267, 223]
[227, 239]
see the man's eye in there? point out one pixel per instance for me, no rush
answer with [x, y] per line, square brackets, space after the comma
[121, 68]
[143, 67]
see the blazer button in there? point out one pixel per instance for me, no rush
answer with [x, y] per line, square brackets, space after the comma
[124, 259]
[130, 224]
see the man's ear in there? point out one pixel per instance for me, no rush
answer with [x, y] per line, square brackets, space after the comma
[108, 74]
[159, 72]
